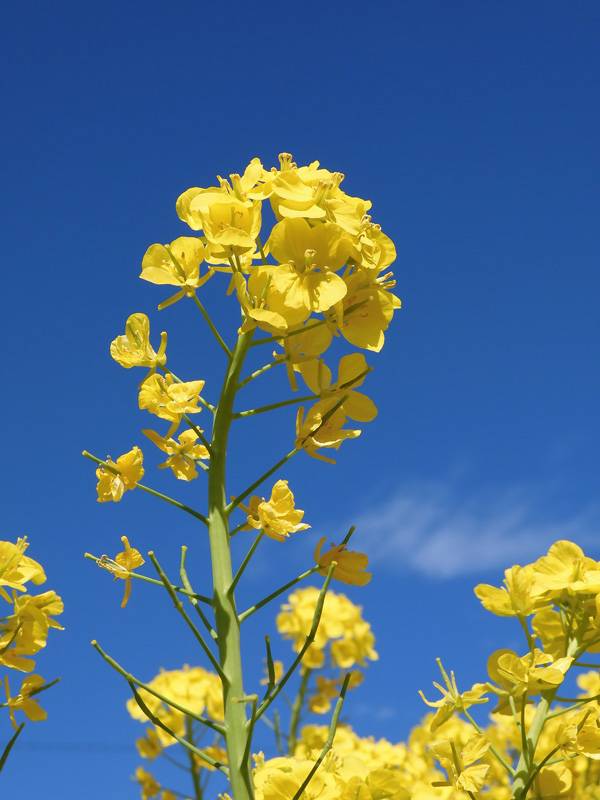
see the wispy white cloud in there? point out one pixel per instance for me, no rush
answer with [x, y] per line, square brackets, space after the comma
[439, 532]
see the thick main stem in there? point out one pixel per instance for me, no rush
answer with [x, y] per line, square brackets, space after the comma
[226, 619]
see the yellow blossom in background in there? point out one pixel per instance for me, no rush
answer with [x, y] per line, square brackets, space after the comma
[352, 371]
[176, 264]
[350, 565]
[342, 628]
[170, 399]
[193, 688]
[463, 771]
[124, 474]
[215, 752]
[327, 690]
[277, 673]
[23, 700]
[16, 569]
[148, 784]
[278, 516]
[133, 349]
[183, 454]
[149, 746]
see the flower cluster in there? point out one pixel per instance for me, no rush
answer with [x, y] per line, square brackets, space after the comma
[538, 741]
[342, 630]
[25, 623]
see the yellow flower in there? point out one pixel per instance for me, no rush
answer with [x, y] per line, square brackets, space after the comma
[149, 746]
[322, 427]
[374, 250]
[170, 399]
[562, 569]
[230, 225]
[515, 598]
[452, 700]
[253, 184]
[367, 310]
[123, 565]
[532, 673]
[302, 346]
[256, 302]
[350, 567]
[176, 264]
[124, 474]
[278, 516]
[215, 752]
[148, 784]
[23, 700]
[281, 778]
[463, 771]
[305, 280]
[25, 632]
[133, 349]
[182, 455]
[352, 371]
[16, 569]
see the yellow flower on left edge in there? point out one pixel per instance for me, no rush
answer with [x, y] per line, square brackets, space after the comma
[170, 399]
[124, 474]
[23, 701]
[133, 349]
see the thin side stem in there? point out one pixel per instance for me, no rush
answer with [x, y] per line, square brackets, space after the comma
[179, 607]
[148, 489]
[297, 710]
[160, 724]
[241, 497]
[211, 325]
[249, 611]
[270, 697]
[140, 684]
[274, 406]
[186, 582]
[261, 371]
[246, 561]
[179, 589]
[330, 737]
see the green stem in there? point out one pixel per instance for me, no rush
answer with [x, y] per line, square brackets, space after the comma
[193, 598]
[10, 745]
[226, 620]
[241, 497]
[211, 325]
[140, 684]
[249, 611]
[330, 737]
[155, 582]
[245, 561]
[261, 371]
[274, 406]
[179, 606]
[297, 710]
[195, 772]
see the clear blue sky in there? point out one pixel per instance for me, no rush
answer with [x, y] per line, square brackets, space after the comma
[474, 127]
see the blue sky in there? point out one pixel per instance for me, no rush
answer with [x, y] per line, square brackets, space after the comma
[474, 128]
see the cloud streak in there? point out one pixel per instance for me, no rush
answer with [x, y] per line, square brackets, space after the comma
[438, 532]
